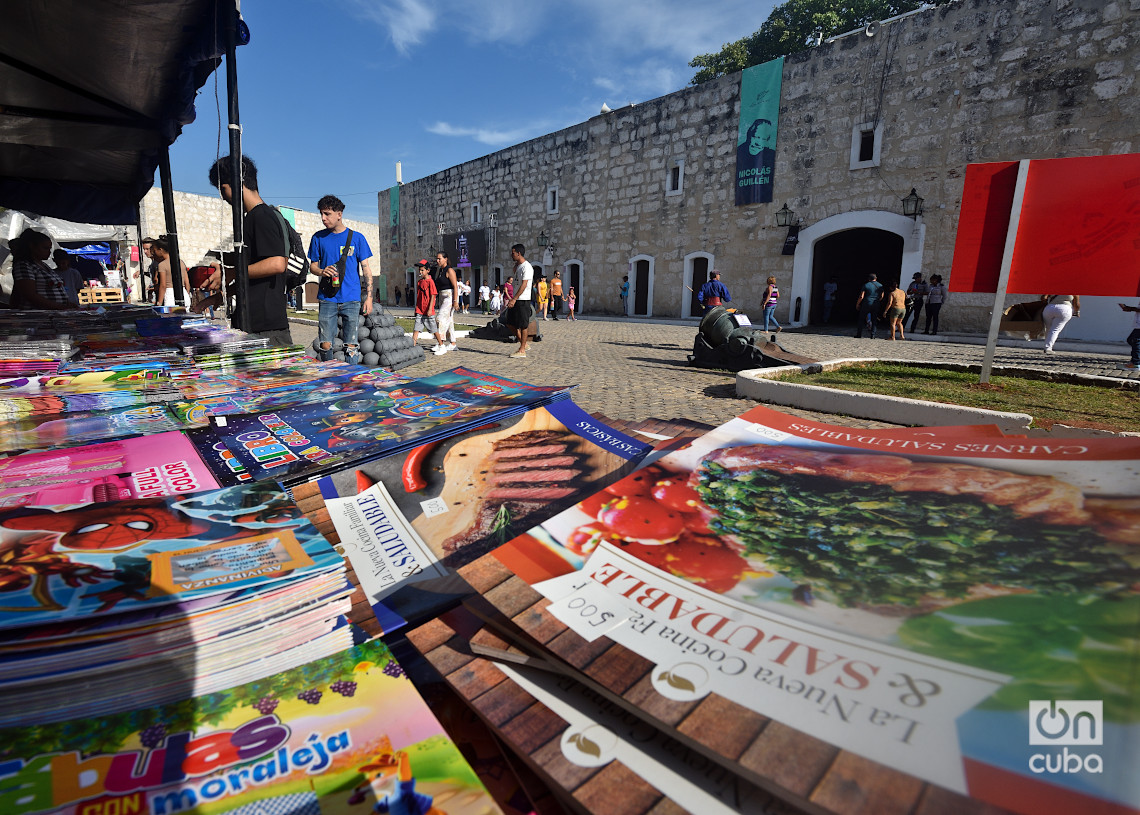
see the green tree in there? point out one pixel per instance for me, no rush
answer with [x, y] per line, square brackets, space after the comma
[794, 26]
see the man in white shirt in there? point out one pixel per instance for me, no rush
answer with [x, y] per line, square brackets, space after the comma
[521, 305]
[485, 298]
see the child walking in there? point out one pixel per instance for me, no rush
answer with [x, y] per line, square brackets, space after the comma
[571, 299]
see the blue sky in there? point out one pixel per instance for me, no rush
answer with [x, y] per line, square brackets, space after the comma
[333, 94]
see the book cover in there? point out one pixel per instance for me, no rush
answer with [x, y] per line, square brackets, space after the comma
[471, 492]
[96, 559]
[332, 737]
[308, 440]
[150, 466]
[963, 609]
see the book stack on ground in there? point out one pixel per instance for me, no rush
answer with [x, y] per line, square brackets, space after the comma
[113, 605]
[341, 733]
[853, 620]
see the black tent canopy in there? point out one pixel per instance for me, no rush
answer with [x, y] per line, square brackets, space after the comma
[93, 92]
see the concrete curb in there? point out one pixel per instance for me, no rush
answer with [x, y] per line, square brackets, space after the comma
[761, 385]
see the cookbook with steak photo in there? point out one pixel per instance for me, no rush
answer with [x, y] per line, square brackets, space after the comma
[935, 602]
[468, 493]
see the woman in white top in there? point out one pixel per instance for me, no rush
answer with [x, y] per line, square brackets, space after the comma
[935, 297]
[1059, 309]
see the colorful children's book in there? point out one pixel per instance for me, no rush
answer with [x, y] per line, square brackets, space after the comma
[309, 440]
[342, 735]
[147, 467]
[98, 558]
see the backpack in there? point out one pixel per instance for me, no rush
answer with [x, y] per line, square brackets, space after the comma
[296, 260]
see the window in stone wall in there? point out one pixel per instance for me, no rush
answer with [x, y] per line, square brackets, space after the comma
[552, 199]
[475, 214]
[419, 227]
[866, 145]
[675, 176]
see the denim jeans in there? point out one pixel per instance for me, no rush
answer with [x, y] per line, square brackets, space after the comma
[1134, 343]
[327, 328]
[770, 318]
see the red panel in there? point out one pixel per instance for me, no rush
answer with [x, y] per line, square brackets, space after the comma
[986, 201]
[1080, 228]
[1019, 793]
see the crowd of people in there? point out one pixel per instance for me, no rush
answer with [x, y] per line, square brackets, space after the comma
[47, 277]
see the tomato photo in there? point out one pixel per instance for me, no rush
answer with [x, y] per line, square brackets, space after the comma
[705, 561]
[594, 505]
[585, 539]
[642, 519]
[676, 494]
[638, 483]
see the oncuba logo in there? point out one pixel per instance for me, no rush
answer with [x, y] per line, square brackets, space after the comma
[1064, 723]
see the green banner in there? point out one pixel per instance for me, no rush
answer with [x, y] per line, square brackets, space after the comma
[756, 133]
[394, 213]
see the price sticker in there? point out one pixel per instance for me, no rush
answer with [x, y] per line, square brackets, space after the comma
[769, 432]
[433, 507]
[590, 611]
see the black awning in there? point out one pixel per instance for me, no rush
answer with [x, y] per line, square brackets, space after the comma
[91, 91]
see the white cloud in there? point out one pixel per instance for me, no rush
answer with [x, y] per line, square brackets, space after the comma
[675, 28]
[408, 21]
[412, 22]
[494, 138]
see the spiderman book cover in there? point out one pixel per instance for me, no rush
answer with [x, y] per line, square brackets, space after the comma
[83, 560]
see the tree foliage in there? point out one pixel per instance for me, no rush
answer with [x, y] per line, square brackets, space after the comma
[794, 26]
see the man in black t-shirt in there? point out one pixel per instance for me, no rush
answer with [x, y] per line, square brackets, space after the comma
[265, 245]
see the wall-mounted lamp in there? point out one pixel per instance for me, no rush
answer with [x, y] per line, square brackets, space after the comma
[912, 204]
[545, 243]
[787, 218]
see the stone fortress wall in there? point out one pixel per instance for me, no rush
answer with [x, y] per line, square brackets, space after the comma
[972, 81]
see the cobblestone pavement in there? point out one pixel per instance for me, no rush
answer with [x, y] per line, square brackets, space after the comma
[637, 369]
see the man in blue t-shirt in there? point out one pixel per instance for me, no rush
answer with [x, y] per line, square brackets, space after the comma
[346, 295]
[866, 304]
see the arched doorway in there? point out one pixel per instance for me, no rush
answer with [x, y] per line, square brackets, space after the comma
[847, 258]
[641, 286]
[850, 246]
[572, 278]
[697, 268]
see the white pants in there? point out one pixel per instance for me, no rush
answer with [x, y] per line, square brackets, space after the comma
[1055, 315]
[445, 316]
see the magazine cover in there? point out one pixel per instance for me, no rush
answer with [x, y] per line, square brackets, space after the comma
[309, 439]
[963, 609]
[101, 558]
[471, 492]
[86, 427]
[336, 736]
[151, 466]
[198, 411]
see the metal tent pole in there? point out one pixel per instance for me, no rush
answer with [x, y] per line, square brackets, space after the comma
[241, 263]
[171, 226]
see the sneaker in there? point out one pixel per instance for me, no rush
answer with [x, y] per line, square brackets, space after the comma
[1048, 350]
[439, 350]
[452, 346]
[518, 355]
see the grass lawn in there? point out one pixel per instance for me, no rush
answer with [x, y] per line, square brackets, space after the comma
[1103, 408]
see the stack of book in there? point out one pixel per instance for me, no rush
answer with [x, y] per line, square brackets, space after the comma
[854, 620]
[112, 605]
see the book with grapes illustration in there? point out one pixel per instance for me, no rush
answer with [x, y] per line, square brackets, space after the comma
[98, 558]
[336, 736]
[914, 599]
